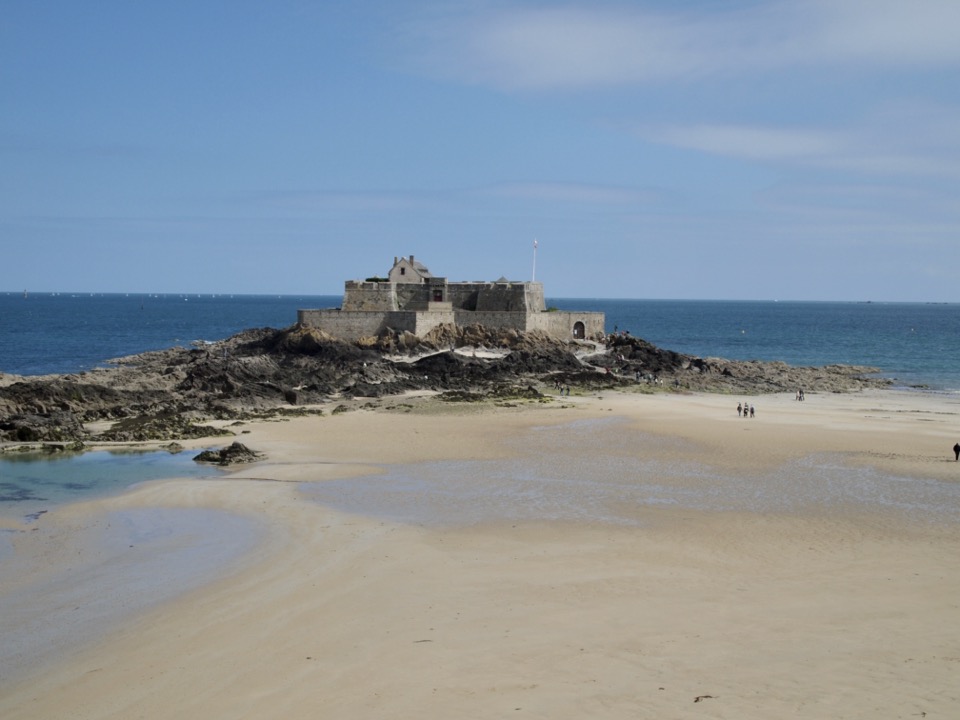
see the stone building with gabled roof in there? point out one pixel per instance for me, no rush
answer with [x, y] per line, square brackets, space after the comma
[412, 299]
[408, 270]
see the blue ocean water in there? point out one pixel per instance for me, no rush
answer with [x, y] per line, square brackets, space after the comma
[916, 344]
[45, 333]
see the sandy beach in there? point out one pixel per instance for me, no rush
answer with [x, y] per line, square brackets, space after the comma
[621, 555]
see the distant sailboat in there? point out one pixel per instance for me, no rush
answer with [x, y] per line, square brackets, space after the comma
[24, 294]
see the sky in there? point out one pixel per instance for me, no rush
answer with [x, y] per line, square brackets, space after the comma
[754, 150]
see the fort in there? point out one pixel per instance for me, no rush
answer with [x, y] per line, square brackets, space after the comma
[411, 299]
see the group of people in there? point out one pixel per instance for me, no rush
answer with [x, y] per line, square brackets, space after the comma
[800, 395]
[564, 389]
[649, 378]
[745, 410]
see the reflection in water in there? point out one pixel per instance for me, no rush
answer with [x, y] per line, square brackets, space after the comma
[605, 483]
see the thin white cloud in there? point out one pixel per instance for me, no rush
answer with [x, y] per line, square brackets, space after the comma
[909, 139]
[589, 45]
[907, 205]
[918, 32]
[751, 142]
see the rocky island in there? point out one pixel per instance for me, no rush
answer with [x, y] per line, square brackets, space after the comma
[174, 394]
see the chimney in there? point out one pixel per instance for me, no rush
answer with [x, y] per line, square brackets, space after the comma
[411, 259]
[394, 259]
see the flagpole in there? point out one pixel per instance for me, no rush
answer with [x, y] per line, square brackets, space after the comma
[533, 276]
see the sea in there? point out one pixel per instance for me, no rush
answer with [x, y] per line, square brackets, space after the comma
[916, 345]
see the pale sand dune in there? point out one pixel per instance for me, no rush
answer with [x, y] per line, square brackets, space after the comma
[829, 605]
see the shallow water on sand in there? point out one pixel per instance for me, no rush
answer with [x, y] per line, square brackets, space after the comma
[606, 483]
[125, 562]
[131, 560]
[31, 484]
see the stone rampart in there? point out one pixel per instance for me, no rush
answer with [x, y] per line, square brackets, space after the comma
[496, 296]
[348, 325]
[353, 325]
[371, 307]
[567, 325]
[412, 294]
[424, 322]
[492, 319]
[369, 296]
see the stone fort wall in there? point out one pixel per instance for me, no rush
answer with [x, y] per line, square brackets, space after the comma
[371, 307]
[496, 296]
[353, 325]
[367, 296]
[563, 324]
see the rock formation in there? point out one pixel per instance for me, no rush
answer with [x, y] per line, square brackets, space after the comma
[234, 454]
[175, 393]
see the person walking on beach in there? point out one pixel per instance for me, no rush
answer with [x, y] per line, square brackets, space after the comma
[739, 409]
[956, 451]
[751, 411]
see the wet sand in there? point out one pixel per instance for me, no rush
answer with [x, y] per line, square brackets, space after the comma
[621, 556]
[75, 580]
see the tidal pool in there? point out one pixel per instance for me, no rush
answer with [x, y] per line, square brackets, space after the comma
[31, 484]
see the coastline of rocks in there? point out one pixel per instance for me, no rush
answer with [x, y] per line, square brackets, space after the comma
[174, 394]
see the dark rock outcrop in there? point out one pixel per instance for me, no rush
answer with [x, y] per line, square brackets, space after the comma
[173, 394]
[234, 454]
